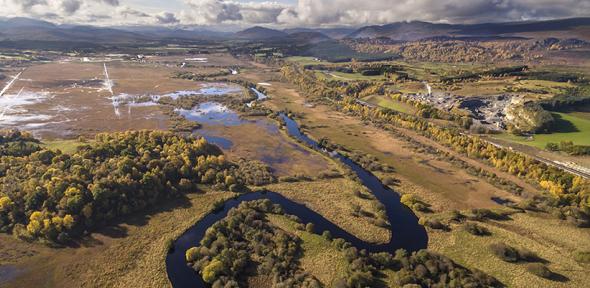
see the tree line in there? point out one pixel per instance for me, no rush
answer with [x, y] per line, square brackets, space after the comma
[16, 143]
[569, 147]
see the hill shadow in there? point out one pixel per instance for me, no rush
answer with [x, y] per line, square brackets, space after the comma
[563, 126]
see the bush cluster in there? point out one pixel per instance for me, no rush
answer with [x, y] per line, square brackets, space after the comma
[246, 239]
[511, 254]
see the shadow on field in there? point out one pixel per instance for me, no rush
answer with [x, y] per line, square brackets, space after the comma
[116, 229]
[559, 277]
[563, 126]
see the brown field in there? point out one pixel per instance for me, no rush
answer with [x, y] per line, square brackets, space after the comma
[69, 98]
[540, 233]
[212, 60]
[334, 199]
[320, 258]
[446, 186]
[76, 102]
[262, 140]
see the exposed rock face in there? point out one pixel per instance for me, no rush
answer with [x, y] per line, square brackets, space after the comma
[527, 117]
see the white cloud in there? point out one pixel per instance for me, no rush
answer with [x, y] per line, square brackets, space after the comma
[327, 12]
[204, 12]
[302, 13]
[167, 18]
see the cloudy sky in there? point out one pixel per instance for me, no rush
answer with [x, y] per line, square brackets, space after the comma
[288, 13]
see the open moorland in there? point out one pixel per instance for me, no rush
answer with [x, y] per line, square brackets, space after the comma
[297, 161]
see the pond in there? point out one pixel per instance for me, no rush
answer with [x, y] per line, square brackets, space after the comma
[212, 113]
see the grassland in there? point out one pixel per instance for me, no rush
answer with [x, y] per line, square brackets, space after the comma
[539, 233]
[551, 87]
[574, 126]
[431, 71]
[320, 258]
[67, 146]
[335, 200]
[334, 75]
[301, 60]
[389, 103]
[446, 186]
[261, 140]
[129, 254]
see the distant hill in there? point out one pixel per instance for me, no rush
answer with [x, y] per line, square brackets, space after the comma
[417, 30]
[18, 22]
[260, 33]
[24, 29]
[188, 33]
[334, 33]
[334, 51]
[406, 31]
[309, 37]
[523, 27]
[33, 33]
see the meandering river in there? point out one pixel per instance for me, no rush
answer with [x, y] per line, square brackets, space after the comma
[406, 232]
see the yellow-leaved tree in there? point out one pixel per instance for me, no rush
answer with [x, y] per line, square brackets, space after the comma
[211, 270]
[5, 204]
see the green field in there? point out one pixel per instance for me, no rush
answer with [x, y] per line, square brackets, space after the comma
[432, 71]
[333, 75]
[574, 126]
[66, 146]
[389, 103]
[320, 258]
[302, 60]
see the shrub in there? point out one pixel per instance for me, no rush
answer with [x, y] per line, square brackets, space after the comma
[505, 252]
[408, 200]
[329, 175]
[192, 254]
[476, 230]
[309, 227]
[432, 223]
[539, 270]
[511, 254]
[390, 181]
[436, 224]
[484, 214]
[418, 206]
[456, 216]
[582, 256]
[327, 235]
[527, 255]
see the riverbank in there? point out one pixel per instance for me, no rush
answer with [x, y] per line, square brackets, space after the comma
[129, 254]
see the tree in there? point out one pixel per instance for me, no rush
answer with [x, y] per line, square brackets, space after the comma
[211, 271]
[192, 254]
[5, 204]
[69, 221]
